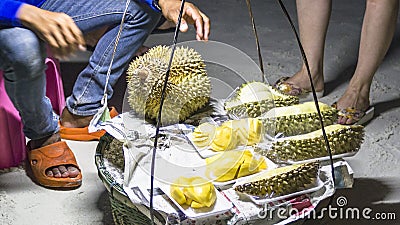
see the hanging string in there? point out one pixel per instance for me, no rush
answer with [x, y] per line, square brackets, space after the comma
[260, 61]
[303, 54]
[115, 50]
[153, 157]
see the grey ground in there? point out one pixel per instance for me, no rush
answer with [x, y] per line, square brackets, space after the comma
[376, 166]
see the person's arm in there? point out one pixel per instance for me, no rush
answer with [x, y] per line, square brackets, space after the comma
[191, 15]
[58, 30]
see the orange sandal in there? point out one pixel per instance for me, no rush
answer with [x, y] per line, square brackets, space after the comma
[53, 155]
[82, 134]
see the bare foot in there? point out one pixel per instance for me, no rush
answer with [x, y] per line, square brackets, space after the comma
[59, 171]
[353, 98]
[70, 120]
[301, 80]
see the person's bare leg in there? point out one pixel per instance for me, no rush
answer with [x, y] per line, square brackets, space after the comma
[376, 35]
[313, 16]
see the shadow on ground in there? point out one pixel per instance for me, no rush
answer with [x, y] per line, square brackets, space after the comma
[104, 205]
[367, 195]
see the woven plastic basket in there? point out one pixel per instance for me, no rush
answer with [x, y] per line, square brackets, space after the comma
[123, 210]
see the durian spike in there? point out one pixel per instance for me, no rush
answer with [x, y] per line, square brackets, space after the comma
[279, 182]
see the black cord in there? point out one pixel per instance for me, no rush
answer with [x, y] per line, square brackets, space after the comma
[153, 157]
[260, 61]
[303, 54]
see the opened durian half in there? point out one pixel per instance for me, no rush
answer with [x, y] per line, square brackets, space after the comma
[342, 139]
[255, 98]
[298, 119]
[280, 181]
[188, 88]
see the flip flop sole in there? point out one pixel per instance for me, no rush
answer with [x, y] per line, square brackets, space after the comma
[369, 114]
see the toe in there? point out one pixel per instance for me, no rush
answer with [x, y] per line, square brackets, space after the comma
[341, 120]
[56, 172]
[73, 171]
[49, 173]
[63, 170]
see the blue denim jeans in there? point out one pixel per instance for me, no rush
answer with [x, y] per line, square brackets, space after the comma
[22, 56]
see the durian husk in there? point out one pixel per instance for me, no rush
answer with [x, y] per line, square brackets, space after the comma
[298, 119]
[280, 181]
[342, 139]
[255, 98]
[188, 88]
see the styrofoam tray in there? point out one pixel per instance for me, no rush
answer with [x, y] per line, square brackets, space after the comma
[220, 206]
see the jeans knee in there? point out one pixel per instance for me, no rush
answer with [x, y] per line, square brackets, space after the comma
[145, 17]
[28, 59]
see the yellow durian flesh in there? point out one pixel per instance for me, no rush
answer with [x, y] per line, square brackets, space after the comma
[225, 139]
[204, 134]
[231, 165]
[228, 135]
[193, 191]
[251, 166]
[224, 166]
[306, 107]
[249, 131]
[177, 194]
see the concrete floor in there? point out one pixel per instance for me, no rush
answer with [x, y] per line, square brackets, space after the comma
[376, 166]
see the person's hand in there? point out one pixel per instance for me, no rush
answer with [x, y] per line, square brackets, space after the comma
[191, 15]
[58, 30]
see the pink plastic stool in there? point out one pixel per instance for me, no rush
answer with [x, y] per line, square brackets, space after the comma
[12, 147]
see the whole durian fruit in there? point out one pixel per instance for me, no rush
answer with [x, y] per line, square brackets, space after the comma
[342, 139]
[280, 181]
[188, 88]
[298, 119]
[253, 99]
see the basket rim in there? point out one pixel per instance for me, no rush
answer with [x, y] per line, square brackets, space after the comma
[109, 181]
[114, 188]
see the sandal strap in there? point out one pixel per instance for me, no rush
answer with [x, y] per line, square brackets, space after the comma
[351, 113]
[288, 88]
